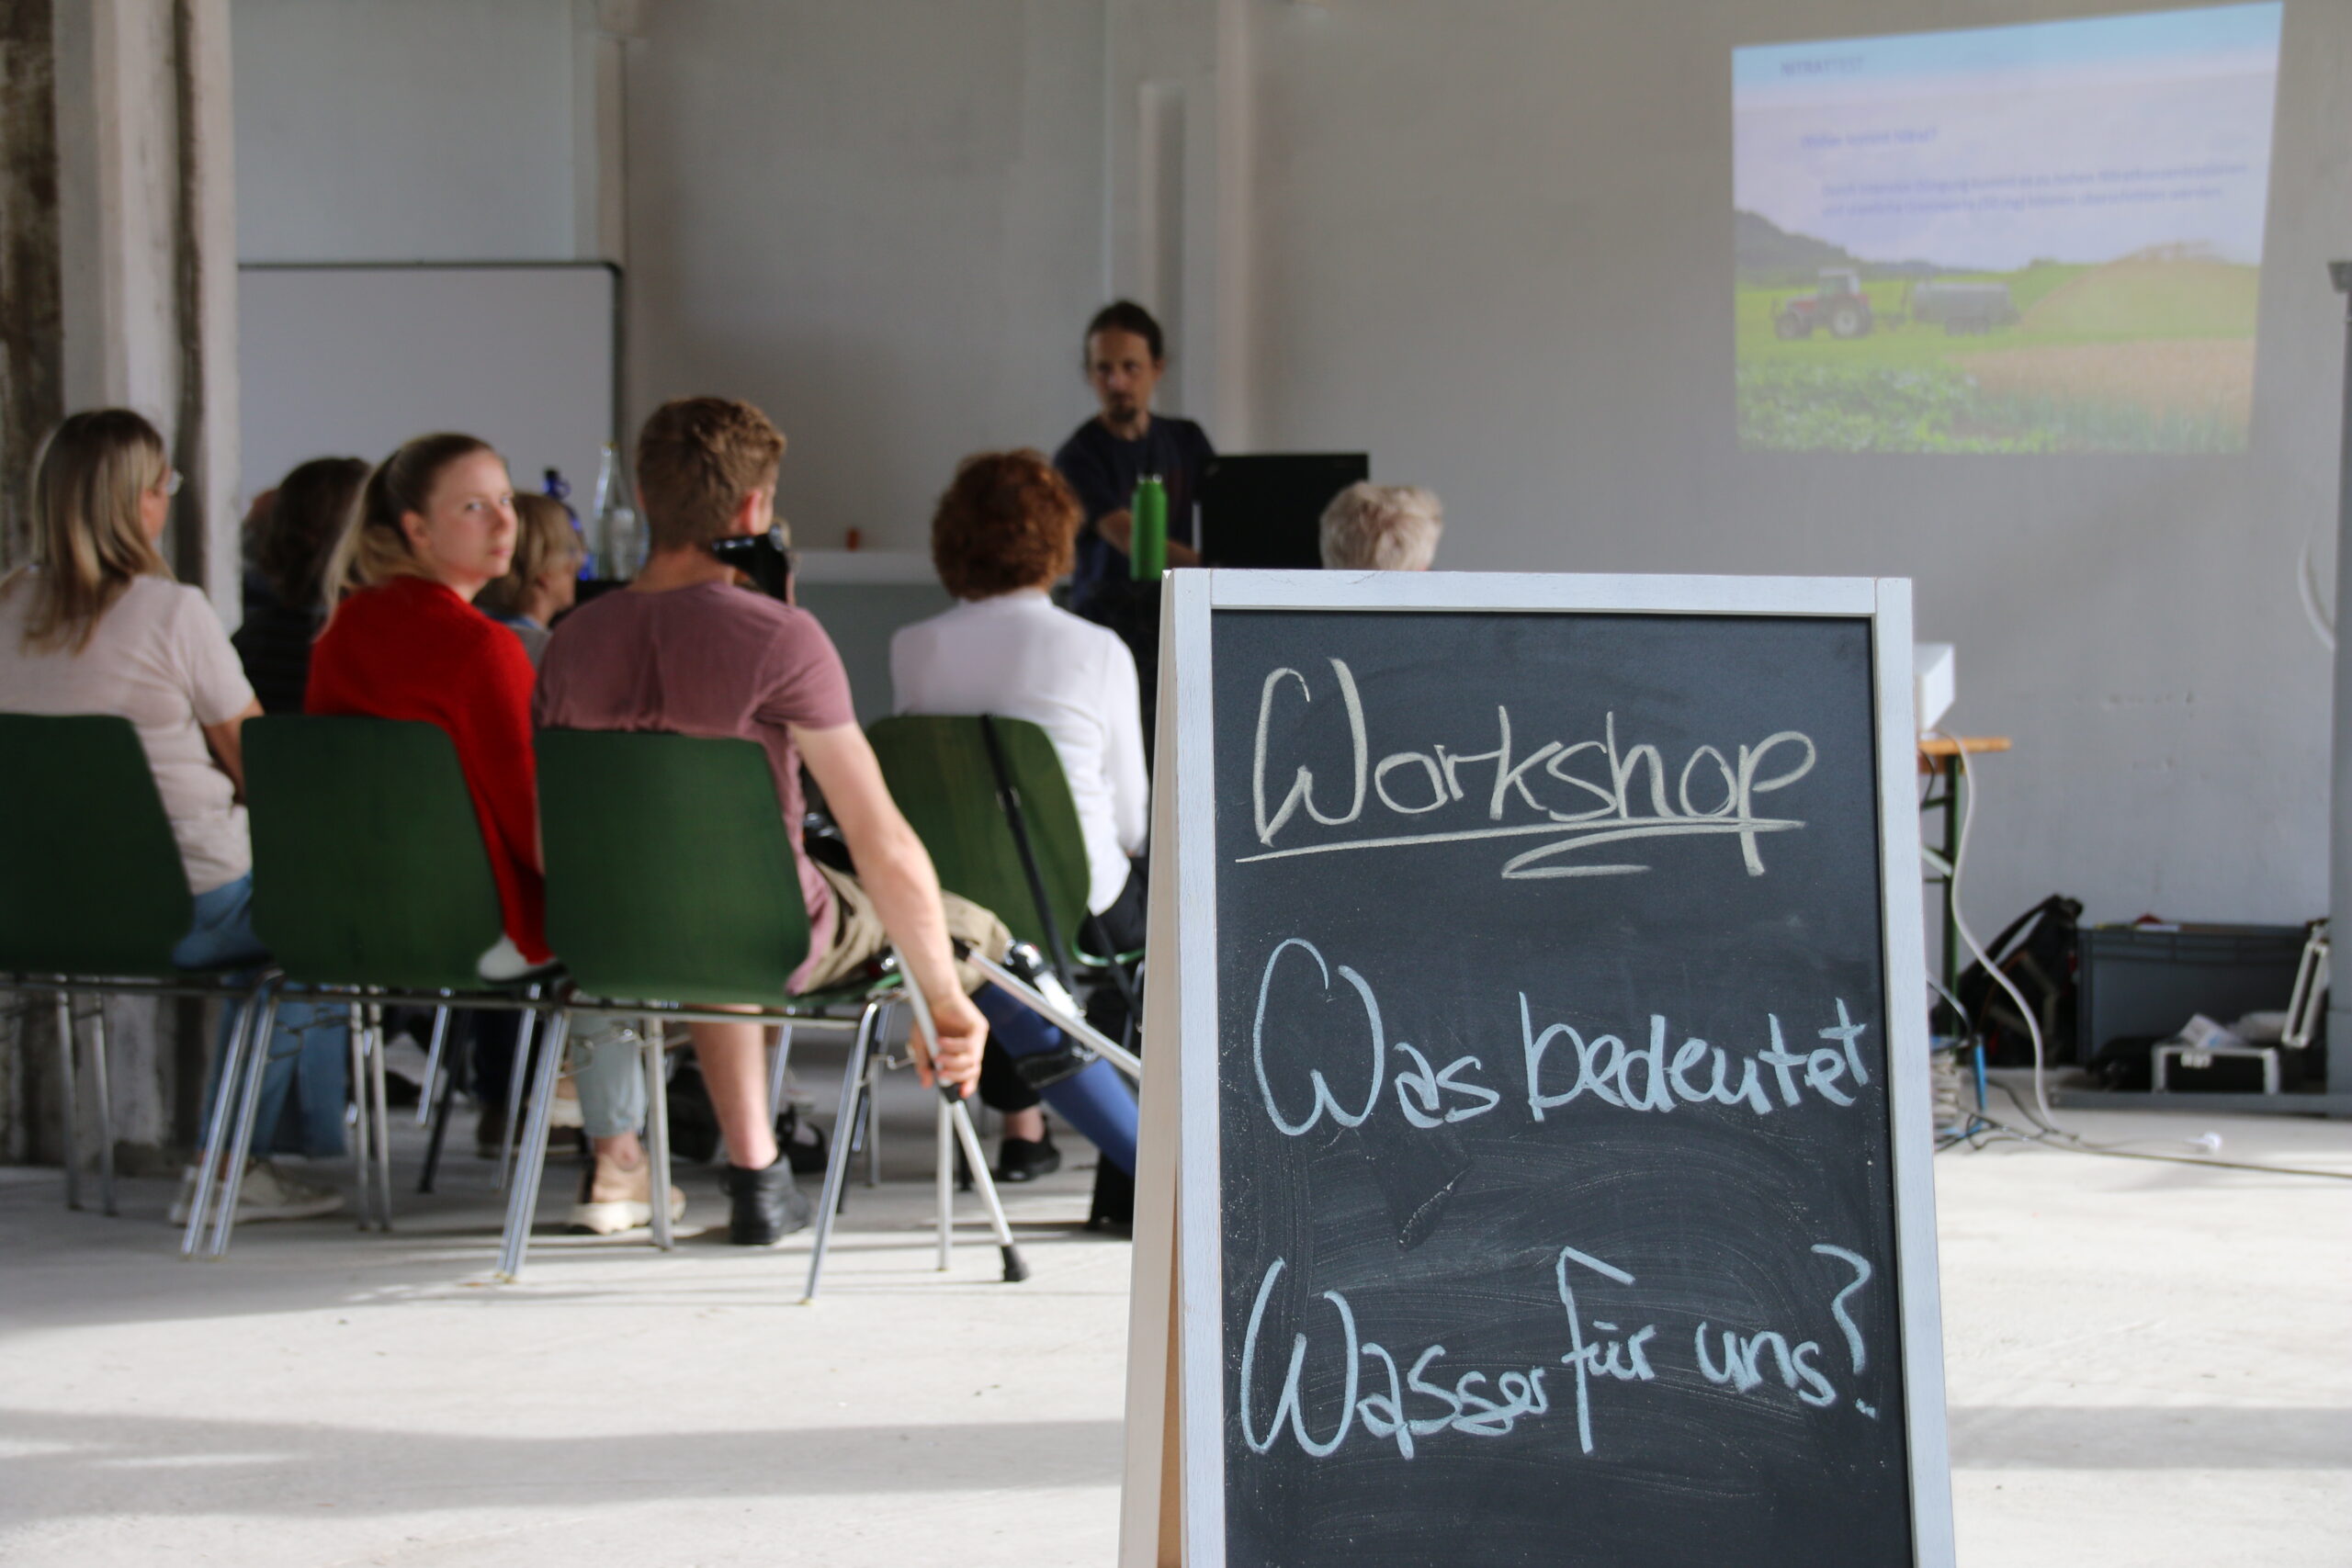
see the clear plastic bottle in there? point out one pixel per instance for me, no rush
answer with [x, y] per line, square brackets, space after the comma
[620, 542]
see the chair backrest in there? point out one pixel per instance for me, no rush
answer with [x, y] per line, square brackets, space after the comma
[939, 772]
[670, 868]
[368, 864]
[90, 876]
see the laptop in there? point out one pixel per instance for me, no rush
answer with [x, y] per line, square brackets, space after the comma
[1266, 509]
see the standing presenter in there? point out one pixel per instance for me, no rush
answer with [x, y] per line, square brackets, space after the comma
[1125, 357]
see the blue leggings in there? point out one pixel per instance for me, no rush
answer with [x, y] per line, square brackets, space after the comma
[1096, 1102]
[309, 1066]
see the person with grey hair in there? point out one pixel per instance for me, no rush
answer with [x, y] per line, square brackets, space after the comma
[1370, 527]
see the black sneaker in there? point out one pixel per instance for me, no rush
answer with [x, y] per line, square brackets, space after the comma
[766, 1206]
[1026, 1159]
[803, 1143]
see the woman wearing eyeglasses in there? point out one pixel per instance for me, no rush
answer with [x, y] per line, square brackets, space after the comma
[97, 625]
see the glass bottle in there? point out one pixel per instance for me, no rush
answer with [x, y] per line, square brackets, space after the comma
[620, 542]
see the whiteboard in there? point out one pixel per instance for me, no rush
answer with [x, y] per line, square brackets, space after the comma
[351, 360]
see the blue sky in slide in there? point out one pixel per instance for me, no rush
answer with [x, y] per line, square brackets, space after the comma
[2076, 141]
[2152, 40]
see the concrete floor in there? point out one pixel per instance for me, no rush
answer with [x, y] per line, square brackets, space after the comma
[2148, 1365]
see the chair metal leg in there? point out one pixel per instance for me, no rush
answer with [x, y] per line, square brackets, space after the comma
[440, 1129]
[837, 1162]
[103, 1093]
[212, 1158]
[363, 1125]
[72, 1111]
[523, 1194]
[657, 1132]
[944, 1180]
[233, 1176]
[776, 1069]
[382, 1104]
[873, 1122]
[514, 1089]
[424, 1098]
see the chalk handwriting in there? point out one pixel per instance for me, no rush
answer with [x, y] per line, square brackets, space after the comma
[1559, 1063]
[1408, 1407]
[1587, 793]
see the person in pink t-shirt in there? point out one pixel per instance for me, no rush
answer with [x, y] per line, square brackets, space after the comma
[685, 651]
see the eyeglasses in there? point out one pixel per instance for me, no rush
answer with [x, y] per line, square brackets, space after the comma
[171, 485]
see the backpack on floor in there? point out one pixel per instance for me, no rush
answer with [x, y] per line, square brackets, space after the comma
[2038, 952]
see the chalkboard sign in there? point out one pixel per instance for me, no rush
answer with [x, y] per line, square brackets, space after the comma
[1547, 1133]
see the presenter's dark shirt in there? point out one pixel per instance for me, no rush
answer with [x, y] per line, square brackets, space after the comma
[1104, 470]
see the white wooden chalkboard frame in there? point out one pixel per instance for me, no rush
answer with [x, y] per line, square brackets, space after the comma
[1173, 1506]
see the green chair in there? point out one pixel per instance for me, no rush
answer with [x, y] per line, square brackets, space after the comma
[990, 800]
[93, 894]
[370, 881]
[671, 892]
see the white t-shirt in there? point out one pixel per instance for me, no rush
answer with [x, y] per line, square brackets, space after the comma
[1018, 657]
[159, 658]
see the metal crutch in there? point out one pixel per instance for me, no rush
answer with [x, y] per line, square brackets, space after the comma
[1038, 1002]
[1015, 1270]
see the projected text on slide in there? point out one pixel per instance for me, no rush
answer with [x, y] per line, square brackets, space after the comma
[2044, 238]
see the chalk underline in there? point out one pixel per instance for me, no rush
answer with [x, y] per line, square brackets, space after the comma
[1618, 828]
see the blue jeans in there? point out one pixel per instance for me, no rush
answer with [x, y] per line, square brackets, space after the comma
[308, 1048]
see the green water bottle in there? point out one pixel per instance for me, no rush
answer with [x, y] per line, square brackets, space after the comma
[1147, 541]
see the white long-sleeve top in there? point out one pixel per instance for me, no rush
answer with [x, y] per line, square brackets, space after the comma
[1018, 657]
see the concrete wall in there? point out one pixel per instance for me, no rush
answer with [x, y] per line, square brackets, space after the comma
[880, 221]
[405, 129]
[1487, 241]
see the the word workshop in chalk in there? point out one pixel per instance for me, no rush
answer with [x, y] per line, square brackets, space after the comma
[1175, 784]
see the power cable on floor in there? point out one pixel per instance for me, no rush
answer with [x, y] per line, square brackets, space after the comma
[2045, 1130]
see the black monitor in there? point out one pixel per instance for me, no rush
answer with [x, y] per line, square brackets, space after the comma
[1266, 509]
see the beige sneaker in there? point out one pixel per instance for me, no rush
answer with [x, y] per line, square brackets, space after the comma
[616, 1198]
[268, 1193]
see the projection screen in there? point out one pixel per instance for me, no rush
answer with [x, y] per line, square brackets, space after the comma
[2042, 238]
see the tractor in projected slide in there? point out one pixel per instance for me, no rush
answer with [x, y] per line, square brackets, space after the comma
[1962, 307]
[1838, 306]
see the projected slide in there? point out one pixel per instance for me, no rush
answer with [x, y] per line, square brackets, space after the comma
[2044, 238]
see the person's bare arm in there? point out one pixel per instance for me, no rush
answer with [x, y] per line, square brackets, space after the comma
[228, 748]
[896, 872]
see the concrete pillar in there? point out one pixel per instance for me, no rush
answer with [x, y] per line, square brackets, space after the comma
[143, 207]
[148, 219]
[32, 348]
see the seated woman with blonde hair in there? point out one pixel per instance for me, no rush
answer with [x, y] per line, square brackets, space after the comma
[1370, 527]
[542, 580]
[97, 626]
